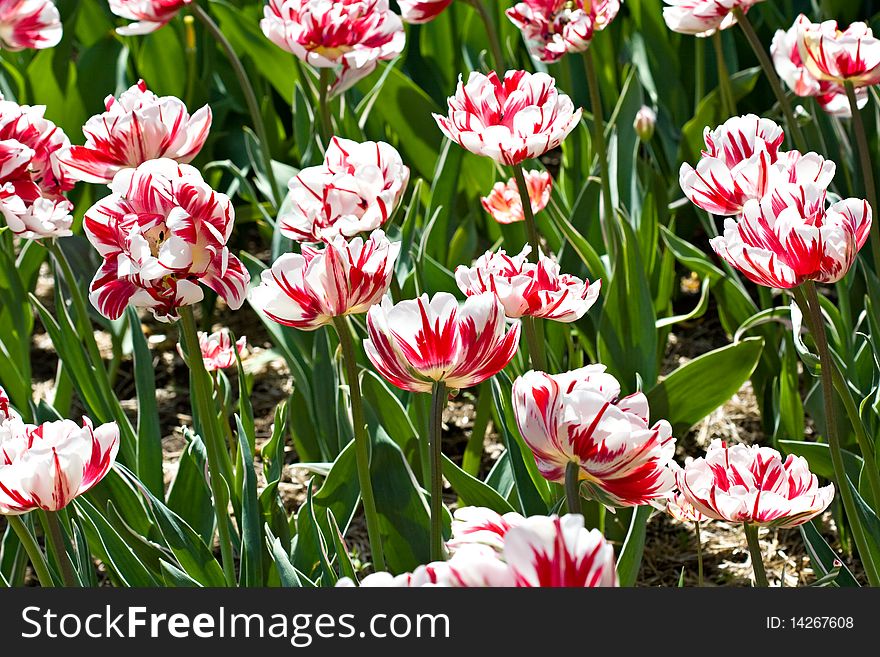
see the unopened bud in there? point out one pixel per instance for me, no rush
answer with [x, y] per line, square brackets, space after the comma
[646, 120]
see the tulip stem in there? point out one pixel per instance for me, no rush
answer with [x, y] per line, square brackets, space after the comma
[324, 105]
[492, 33]
[529, 216]
[867, 171]
[56, 542]
[772, 78]
[249, 95]
[728, 102]
[808, 300]
[755, 551]
[361, 441]
[438, 405]
[699, 554]
[609, 229]
[536, 345]
[207, 412]
[572, 487]
[29, 543]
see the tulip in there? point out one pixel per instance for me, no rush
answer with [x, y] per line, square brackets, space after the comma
[6, 412]
[528, 289]
[831, 96]
[703, 17]
[522, 116]
[218, 351]
[161, 232]
[149, 15]
[790, 237]
[32, 179]
[832, 55]
[645, 123]
[350, 37]
[538, 551]
[505, 204]
[137, 127]
[29, 24]
[552, 28]
[481, 526]
[47, 466]
[421, 11]
[355, 190]
[584, 434]
[679, 508]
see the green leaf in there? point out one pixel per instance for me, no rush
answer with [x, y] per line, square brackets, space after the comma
[630, 559]
[697, 388]
[251, 521]
[472, 491]
[189, 495]
[818, 455]
[149, 443]
[823, 558]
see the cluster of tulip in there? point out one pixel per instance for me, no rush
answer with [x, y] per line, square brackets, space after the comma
[162, 233]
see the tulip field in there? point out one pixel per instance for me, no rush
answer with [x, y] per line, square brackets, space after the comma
[467, 293]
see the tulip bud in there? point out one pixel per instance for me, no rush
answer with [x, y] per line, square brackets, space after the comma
[645, 122]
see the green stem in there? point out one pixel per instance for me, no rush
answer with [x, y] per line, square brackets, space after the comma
[249, 95]
[609, 228]
[727, 99]
[808, 299]
[867, 170]
[473, 452]
[755, 550]
[361, 441]
[526, 200]
[324, 105]
[214, 443]
[572, 487]
[29, 543]
[56, 542]
[438, 405]
[491, 33]
[699, 71]
[699, 555]
[758, 47]
[536, 345]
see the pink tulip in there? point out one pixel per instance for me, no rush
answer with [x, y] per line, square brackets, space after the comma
[579, 417]
[753, 484]
[149, 15]
[552, 28]
[831, 55]
[161, 232]
[355, 190]
[47, 466]
[528, 289]
[344, 278]
[218, 350]
[421, 11]
[137, 127]
[742, 162]
[349, 36]
[29, 24]
[417, 342]
[539, 551]
[790, 237]
[510, 120]
[32, 178]
[505, 204]
[831, 96]
[703, 17]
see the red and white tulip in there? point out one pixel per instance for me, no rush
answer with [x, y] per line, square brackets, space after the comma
[137, 127]
[755, 485]
[703, 17]
[832, 55]
[552, 28]
[421, 11]
[481, 526]
[790, 237]
[161, 232]
[149, 15]
[351, 36]
[6, 411]
[679, 508]
[218, 351]
[505, 204]
[831, 96]
[355, 190]
[511, 120]
[47, 466]
[306, 291]
[418, 342]
[579, 417]
[34, 24]
[529, 289]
